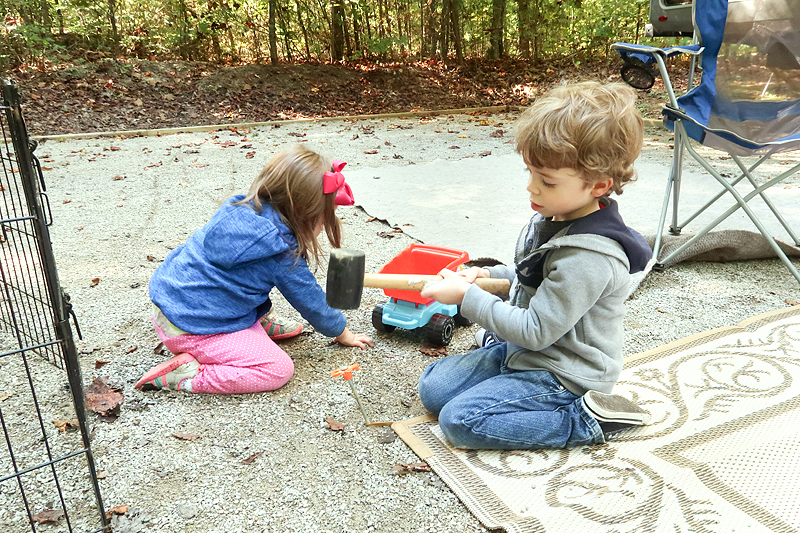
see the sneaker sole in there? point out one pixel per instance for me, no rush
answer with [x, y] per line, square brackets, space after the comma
[164, 368]
[613, 408]
[288, 335]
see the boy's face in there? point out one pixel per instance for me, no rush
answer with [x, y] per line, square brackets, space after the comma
[561, 193]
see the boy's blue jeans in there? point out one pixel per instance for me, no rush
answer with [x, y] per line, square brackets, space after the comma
[484, 405]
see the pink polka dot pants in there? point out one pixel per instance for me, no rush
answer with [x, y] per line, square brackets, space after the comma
[234, 363]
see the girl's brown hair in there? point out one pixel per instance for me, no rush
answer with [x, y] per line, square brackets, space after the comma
[591, 127]
[291, 183]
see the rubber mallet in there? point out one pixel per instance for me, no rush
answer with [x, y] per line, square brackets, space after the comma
[347, 279]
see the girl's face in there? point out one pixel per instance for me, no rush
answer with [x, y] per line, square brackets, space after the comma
[321, 225]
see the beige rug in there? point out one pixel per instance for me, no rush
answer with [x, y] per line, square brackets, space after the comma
[723, 453]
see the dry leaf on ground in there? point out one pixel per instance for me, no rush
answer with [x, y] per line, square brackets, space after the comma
[118, 510]
[185, 436]
[102, 398]
[64, 425]
[252, 458]
[434, 351]
[407, 468]
[333, 425]
[49, 516]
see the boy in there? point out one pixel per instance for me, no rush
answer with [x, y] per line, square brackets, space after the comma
[548, 384]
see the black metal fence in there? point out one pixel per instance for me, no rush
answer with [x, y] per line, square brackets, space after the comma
[48, 480]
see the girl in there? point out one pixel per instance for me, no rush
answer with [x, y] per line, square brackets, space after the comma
[210, 293]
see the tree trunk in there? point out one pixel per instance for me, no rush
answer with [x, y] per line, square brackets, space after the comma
[524, 21]
[337, 30]
[112, 17]
[273, 34]
[496, 49]
[444, 36]
[454, 15]
[355, 12]
[283, 20]
[305, 32]
[44, 13]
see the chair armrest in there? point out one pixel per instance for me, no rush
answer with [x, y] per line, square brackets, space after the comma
[626, 49]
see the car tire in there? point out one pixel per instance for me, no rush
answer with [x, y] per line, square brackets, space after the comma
[439, 330]
[460, 320]
[377, 320]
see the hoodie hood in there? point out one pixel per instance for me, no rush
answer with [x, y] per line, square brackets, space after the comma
[235, 236]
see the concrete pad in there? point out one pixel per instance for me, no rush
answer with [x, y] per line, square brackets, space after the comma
[480, 204]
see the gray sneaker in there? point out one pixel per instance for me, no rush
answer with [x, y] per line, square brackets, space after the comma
[615, 409]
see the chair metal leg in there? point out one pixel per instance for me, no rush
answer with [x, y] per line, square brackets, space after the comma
[745, 173]
[672, 183]
[677, 174]
[741, 202]
[763, 195]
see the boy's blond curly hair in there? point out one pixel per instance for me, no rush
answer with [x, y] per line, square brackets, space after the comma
[590, 127]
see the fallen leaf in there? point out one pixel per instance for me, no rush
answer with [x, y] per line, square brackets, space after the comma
[118, 510]
[434, 351]
[497, 133]
[249, 155]
[792, 302]
[407, 468]
[67, 201]
[4, 397]
[454, 147]
[168, 96]
[151, 258]
[138, 102]
[102, 398]
[462, 136]
[296, 134]
[100, 364]
[131, 349]
[185, 436]
[333, 425]
[484, 154]
[118, 178]
[49, 516]
[660, 310]
[252, 458]
[64, 425]
[370, 152]
[385, 235]
[95, 281]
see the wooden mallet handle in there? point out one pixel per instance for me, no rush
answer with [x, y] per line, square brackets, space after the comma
[496, 286]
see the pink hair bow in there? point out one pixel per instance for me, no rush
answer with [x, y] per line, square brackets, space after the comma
[334, 182]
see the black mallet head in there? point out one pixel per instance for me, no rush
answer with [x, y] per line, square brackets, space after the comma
[345, 278]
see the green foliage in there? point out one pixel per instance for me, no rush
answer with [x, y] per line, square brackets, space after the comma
[230, 29]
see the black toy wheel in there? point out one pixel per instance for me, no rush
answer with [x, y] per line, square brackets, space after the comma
[638, 75]
[377, 320]
[460, 320]
[439, 331]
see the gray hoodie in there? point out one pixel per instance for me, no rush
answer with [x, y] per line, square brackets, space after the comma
[567, 300]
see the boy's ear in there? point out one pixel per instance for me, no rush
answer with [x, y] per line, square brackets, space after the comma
[600, 188]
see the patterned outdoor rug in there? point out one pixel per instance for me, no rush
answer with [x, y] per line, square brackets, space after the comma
[723, 453]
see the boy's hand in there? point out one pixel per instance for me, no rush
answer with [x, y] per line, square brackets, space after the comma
[357, 340]
[450, 290]
[473, 273]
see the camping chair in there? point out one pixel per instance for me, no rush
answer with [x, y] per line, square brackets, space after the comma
[747, 103]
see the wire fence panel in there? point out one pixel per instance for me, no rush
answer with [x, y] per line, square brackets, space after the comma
[48, 480]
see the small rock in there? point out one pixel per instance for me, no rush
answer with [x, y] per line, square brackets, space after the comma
[186, 511]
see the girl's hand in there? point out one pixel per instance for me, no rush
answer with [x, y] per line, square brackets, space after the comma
[357, 340]
[450, 290]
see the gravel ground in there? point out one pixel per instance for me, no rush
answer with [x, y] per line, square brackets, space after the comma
[120, 205]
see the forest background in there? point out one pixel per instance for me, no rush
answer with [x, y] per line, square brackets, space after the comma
[90, 65]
